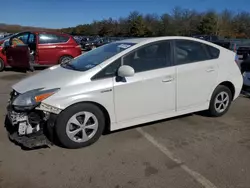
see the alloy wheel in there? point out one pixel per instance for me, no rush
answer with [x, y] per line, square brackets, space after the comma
[82, 126]
[221, 102]
[66, 60]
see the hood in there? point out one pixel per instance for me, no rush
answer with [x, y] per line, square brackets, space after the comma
[53, 77]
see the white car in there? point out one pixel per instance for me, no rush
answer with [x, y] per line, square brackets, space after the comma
[122, 84]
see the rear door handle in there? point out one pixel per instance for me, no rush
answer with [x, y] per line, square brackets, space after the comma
[168, 79]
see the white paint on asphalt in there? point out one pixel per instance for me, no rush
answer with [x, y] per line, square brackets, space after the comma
[197, 176]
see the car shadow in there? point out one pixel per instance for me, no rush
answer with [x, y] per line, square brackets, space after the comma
[108, 132]
[201, 113]
[55, 142]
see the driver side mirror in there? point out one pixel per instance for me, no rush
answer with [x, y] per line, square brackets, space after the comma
[125, 71]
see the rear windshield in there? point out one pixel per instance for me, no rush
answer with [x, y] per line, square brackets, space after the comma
[95, 57]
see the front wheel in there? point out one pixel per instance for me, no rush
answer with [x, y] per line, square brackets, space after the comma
[220, 101]
[80, 125]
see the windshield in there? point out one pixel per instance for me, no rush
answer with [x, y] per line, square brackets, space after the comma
[5, 38]
[95, 57]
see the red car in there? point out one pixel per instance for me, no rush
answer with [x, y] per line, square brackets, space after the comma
[48, 48]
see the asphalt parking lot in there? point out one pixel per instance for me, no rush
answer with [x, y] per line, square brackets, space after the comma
[192, 151]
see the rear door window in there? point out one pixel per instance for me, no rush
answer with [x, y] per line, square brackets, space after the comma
[187, 51]
[52, 38]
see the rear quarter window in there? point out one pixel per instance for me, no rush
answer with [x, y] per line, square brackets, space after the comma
[213, 52]
[52, 38]
[62, 39]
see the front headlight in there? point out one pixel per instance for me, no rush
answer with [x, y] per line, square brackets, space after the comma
[33, 97]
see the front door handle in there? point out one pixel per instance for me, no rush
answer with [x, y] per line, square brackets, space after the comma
[168, 79]
[210, 69]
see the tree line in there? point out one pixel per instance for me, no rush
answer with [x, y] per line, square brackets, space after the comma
[180, 21]
[18, 28]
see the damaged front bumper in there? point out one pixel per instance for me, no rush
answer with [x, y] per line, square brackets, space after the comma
[30, 129]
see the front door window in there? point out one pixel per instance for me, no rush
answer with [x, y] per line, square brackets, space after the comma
[150, 57]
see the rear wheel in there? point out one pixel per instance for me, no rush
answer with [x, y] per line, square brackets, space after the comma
[1, 65]
[80, 125]
[65, 59]
[220, 101]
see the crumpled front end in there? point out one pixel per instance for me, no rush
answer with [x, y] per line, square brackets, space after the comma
[29, 128]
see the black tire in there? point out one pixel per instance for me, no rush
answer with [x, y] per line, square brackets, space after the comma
[2, 67]
[63, 118]
[212, 109]
[63, 59]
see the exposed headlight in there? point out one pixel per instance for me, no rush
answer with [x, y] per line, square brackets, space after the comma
[33, 97]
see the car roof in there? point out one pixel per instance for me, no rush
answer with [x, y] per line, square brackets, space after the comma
[48, 32]
[134, 40]
[155, 39]
[151, 39]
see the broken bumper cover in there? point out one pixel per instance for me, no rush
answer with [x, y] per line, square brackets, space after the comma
[36, 139]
